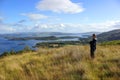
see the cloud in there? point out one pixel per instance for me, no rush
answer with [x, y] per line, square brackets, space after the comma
[19, 23]
[13, 27]
[34, 17]
[6, 28]
[77, 28]
[59, 27]
[106, 26]
[1, 19]
[22, 21]
[60, 6]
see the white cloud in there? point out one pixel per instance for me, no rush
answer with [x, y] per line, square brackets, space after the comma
[6, 28]
[34, 16]
[60, 27]
[49, 27]
[1, 19]
[65, 6]
[77, 28]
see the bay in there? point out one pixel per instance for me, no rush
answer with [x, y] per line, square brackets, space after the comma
[8, 45]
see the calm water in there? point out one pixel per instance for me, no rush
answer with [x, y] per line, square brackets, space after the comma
[8, 45]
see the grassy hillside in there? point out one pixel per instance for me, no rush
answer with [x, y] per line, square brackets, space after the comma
[65, 63]
[115, 42]
[109, 36]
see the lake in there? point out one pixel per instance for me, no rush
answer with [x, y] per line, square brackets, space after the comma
[8, 45]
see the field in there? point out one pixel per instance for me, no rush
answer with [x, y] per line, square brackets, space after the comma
[64, 63]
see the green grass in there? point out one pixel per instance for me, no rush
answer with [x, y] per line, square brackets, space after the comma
[64, 63]
[115, 42]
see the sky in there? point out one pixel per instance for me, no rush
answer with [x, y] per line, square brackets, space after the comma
[70, 16]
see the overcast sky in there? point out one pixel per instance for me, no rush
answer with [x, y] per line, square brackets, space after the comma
[74, 16]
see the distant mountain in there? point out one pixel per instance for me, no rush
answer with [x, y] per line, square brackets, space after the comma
[34, 34]
[109, 36]
[103, 37]
[87, 34]
[84, 37]
[46, 34]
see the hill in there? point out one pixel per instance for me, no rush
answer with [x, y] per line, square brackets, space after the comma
[45, 35]
[109, 36]
[64, 63]
[104, 37]
[114, 42]
[33, 34]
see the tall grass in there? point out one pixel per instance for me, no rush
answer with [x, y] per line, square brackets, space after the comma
[65, 63]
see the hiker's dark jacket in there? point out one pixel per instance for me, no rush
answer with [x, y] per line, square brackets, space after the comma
[93, 44]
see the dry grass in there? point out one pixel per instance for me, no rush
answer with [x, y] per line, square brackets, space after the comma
[66, 63]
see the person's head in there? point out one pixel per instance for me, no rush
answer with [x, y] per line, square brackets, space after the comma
[94, 36]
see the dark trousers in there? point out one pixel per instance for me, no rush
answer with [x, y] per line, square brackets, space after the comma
[92, 51]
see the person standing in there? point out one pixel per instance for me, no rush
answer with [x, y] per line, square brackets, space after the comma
[93, 46]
